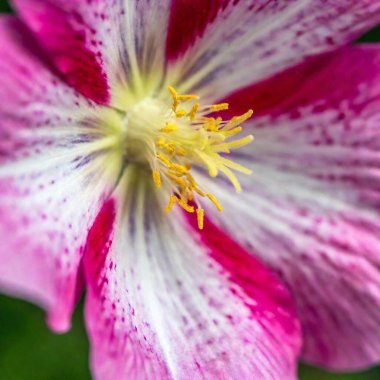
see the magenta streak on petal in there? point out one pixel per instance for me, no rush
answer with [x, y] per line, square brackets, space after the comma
[311, 209]
[264, 97]
[98, 244]
[189, 20]
[63, 36]
[246, 271]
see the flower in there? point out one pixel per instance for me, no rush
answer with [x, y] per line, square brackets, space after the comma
[115, 111]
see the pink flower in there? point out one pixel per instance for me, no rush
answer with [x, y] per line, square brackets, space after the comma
[94, 147]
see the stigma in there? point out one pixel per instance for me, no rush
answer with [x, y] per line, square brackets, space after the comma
[191, 135]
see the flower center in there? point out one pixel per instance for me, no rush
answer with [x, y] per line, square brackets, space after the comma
[172, 139]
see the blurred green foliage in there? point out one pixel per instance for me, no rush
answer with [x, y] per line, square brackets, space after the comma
[29, 351]
[4, 6]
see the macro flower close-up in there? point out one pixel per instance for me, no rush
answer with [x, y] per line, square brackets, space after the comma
[204, 173]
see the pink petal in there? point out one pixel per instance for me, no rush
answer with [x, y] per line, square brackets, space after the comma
[216, 47]
[311, 207]
[100, 46]
[164, 302]
[72, 42]
[49, 190]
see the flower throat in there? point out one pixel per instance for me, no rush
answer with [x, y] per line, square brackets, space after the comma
[183, 136]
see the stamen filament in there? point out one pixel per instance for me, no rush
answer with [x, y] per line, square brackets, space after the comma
[191, 137]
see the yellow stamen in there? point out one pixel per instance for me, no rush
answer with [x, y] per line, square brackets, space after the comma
[174, 95]
[215, 201]
[186, 206]
[187, 97]
[235, 121]
[172, 201]
[200, 218]
[157, 178]
[219, 107]
[192, 138]
[164, 159]
[169, 127]
[193, 112]
[232, 132]
[179, 168]
[180, 113]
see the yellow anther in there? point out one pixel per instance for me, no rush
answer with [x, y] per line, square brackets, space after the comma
[219, 107]
[180, 113]
[161, 142]
[186, 206]
[169, 148]
[198, 139]
[169, 127]
[180, 151]
[164, 159]
[211, 125]
[193, 112]
[200, 218]
[215, 201]
[179, 168]
[188, 97]
[235, 121]
[174, 95]
[157, 178]
[172, 201]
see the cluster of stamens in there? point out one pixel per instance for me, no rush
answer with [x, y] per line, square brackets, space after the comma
[191, 136]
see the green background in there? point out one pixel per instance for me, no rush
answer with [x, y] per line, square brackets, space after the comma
[29, 351]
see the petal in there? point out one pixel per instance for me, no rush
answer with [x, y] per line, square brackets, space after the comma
[166, 303]
[311, 208]
[50, 191]
[218, 46]
[100, 45]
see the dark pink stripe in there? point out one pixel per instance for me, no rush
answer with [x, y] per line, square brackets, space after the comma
[257, 281]
[188, 20]
[99, 241]
[305, 84]
[67, 47]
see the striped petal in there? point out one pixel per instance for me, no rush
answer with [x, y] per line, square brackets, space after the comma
[50, 191]
[166, 303]
[311, 208]
[218, 46]
[103, 48]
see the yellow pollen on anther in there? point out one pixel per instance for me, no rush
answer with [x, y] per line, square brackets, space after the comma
[157, 178]
[170, 127]
[193, 111]
[200, 218]
[186, 206]
[190, 137]
[180, 113]
[219, 107]
[172, 201]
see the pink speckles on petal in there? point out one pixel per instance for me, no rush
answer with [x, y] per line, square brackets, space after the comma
[101, 47]
[50, 191]
[180, 308]
[311, 207]
[227, 44]
[72, 44]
